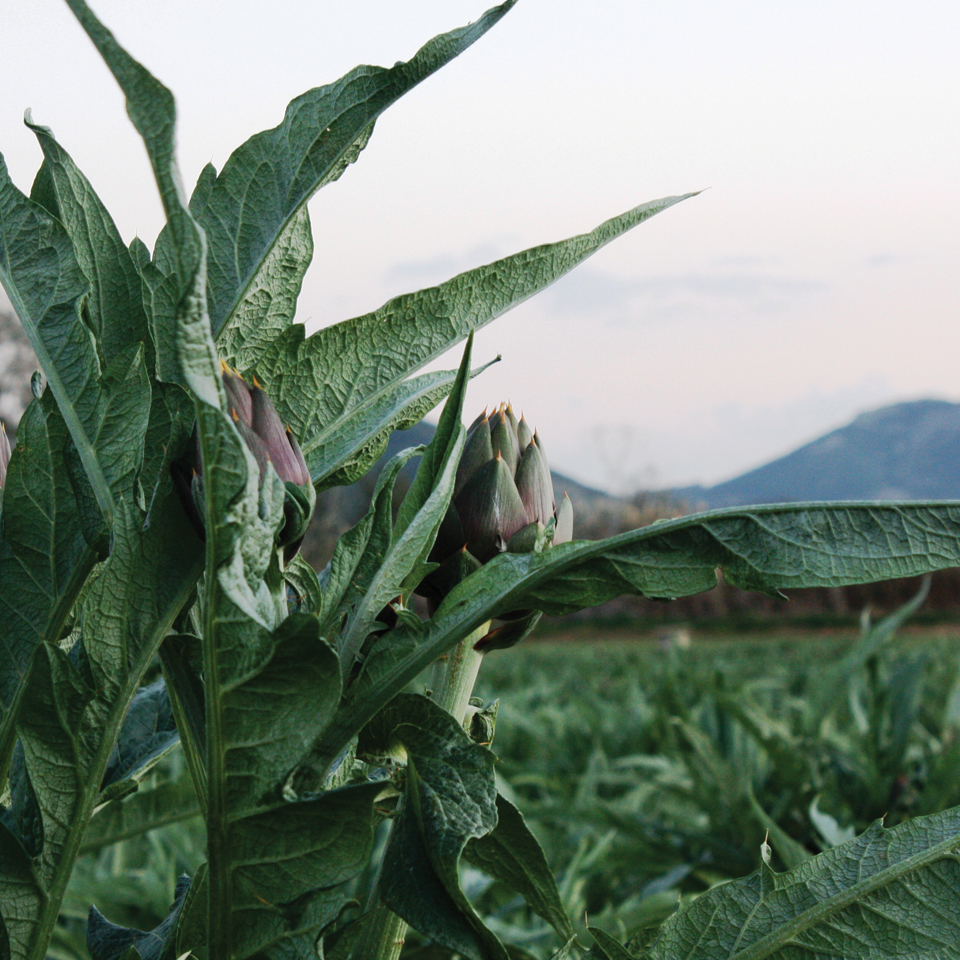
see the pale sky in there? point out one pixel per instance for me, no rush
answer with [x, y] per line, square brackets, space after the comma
[815, 279]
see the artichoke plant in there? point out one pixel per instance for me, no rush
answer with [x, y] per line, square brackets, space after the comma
[4, 453]
[271, 443]
[503, 502]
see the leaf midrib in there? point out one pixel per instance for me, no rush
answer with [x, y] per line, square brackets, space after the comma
[78, 433]
[772, 941]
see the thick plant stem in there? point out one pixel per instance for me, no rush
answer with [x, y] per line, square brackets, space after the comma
[452, 686]
[382, 937]
[454, 676]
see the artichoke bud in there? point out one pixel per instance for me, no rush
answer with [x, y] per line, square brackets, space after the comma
[270, 442]
[503, 501]
[4, 454]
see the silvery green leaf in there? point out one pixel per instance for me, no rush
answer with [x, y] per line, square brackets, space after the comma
[105, 408]
[114, 306]
[888, 893]
[254, 211]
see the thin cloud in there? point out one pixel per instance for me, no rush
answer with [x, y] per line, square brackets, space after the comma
[615, 300]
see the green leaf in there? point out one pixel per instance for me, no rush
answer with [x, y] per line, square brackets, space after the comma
[148, 732]
[450, 798]
[889, 893]
[346, 382]
[58, 761]
[511, 853]
[44, 559]
[288, 865]
[254, 213]
[423, 509]
[758, 548]
[274, 708]
[108, 941]
[359, 553]
[169, 428]
[179, 657]
[302, 581]
[272, 283]
[170, 802]
[115, 305]
[609, 948]
[104, 410]
[71, 714]
[357, 442]
[824, 695]
[20, 899]
[22, 815]
[175, 285]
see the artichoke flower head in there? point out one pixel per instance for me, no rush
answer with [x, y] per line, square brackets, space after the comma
[503, 501]
[271, 443]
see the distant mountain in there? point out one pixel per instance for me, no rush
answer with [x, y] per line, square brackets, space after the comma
[907, 451]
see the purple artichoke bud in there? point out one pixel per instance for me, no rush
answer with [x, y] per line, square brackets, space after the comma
[4, 454]
[503, 501]
[270, 442]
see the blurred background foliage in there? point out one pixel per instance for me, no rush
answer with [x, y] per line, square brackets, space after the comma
[650, 769]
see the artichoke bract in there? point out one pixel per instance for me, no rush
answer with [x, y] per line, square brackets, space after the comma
[503, 501]
[270, 442]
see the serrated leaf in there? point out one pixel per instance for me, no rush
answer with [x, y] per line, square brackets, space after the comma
[512, 854]
[254, 211]
[44, 558]
[288, 863]
[888, 893]
[758, 548]
[174, 283]
[269, 296]
[330, 386]
[72, 711]
[450, 798]
[115, 303]
[105, 410]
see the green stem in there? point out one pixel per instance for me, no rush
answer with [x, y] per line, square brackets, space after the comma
[383, 936]
[454, 675]
[452, 686]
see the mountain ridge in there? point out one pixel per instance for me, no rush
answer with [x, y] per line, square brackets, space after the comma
[904, 451]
